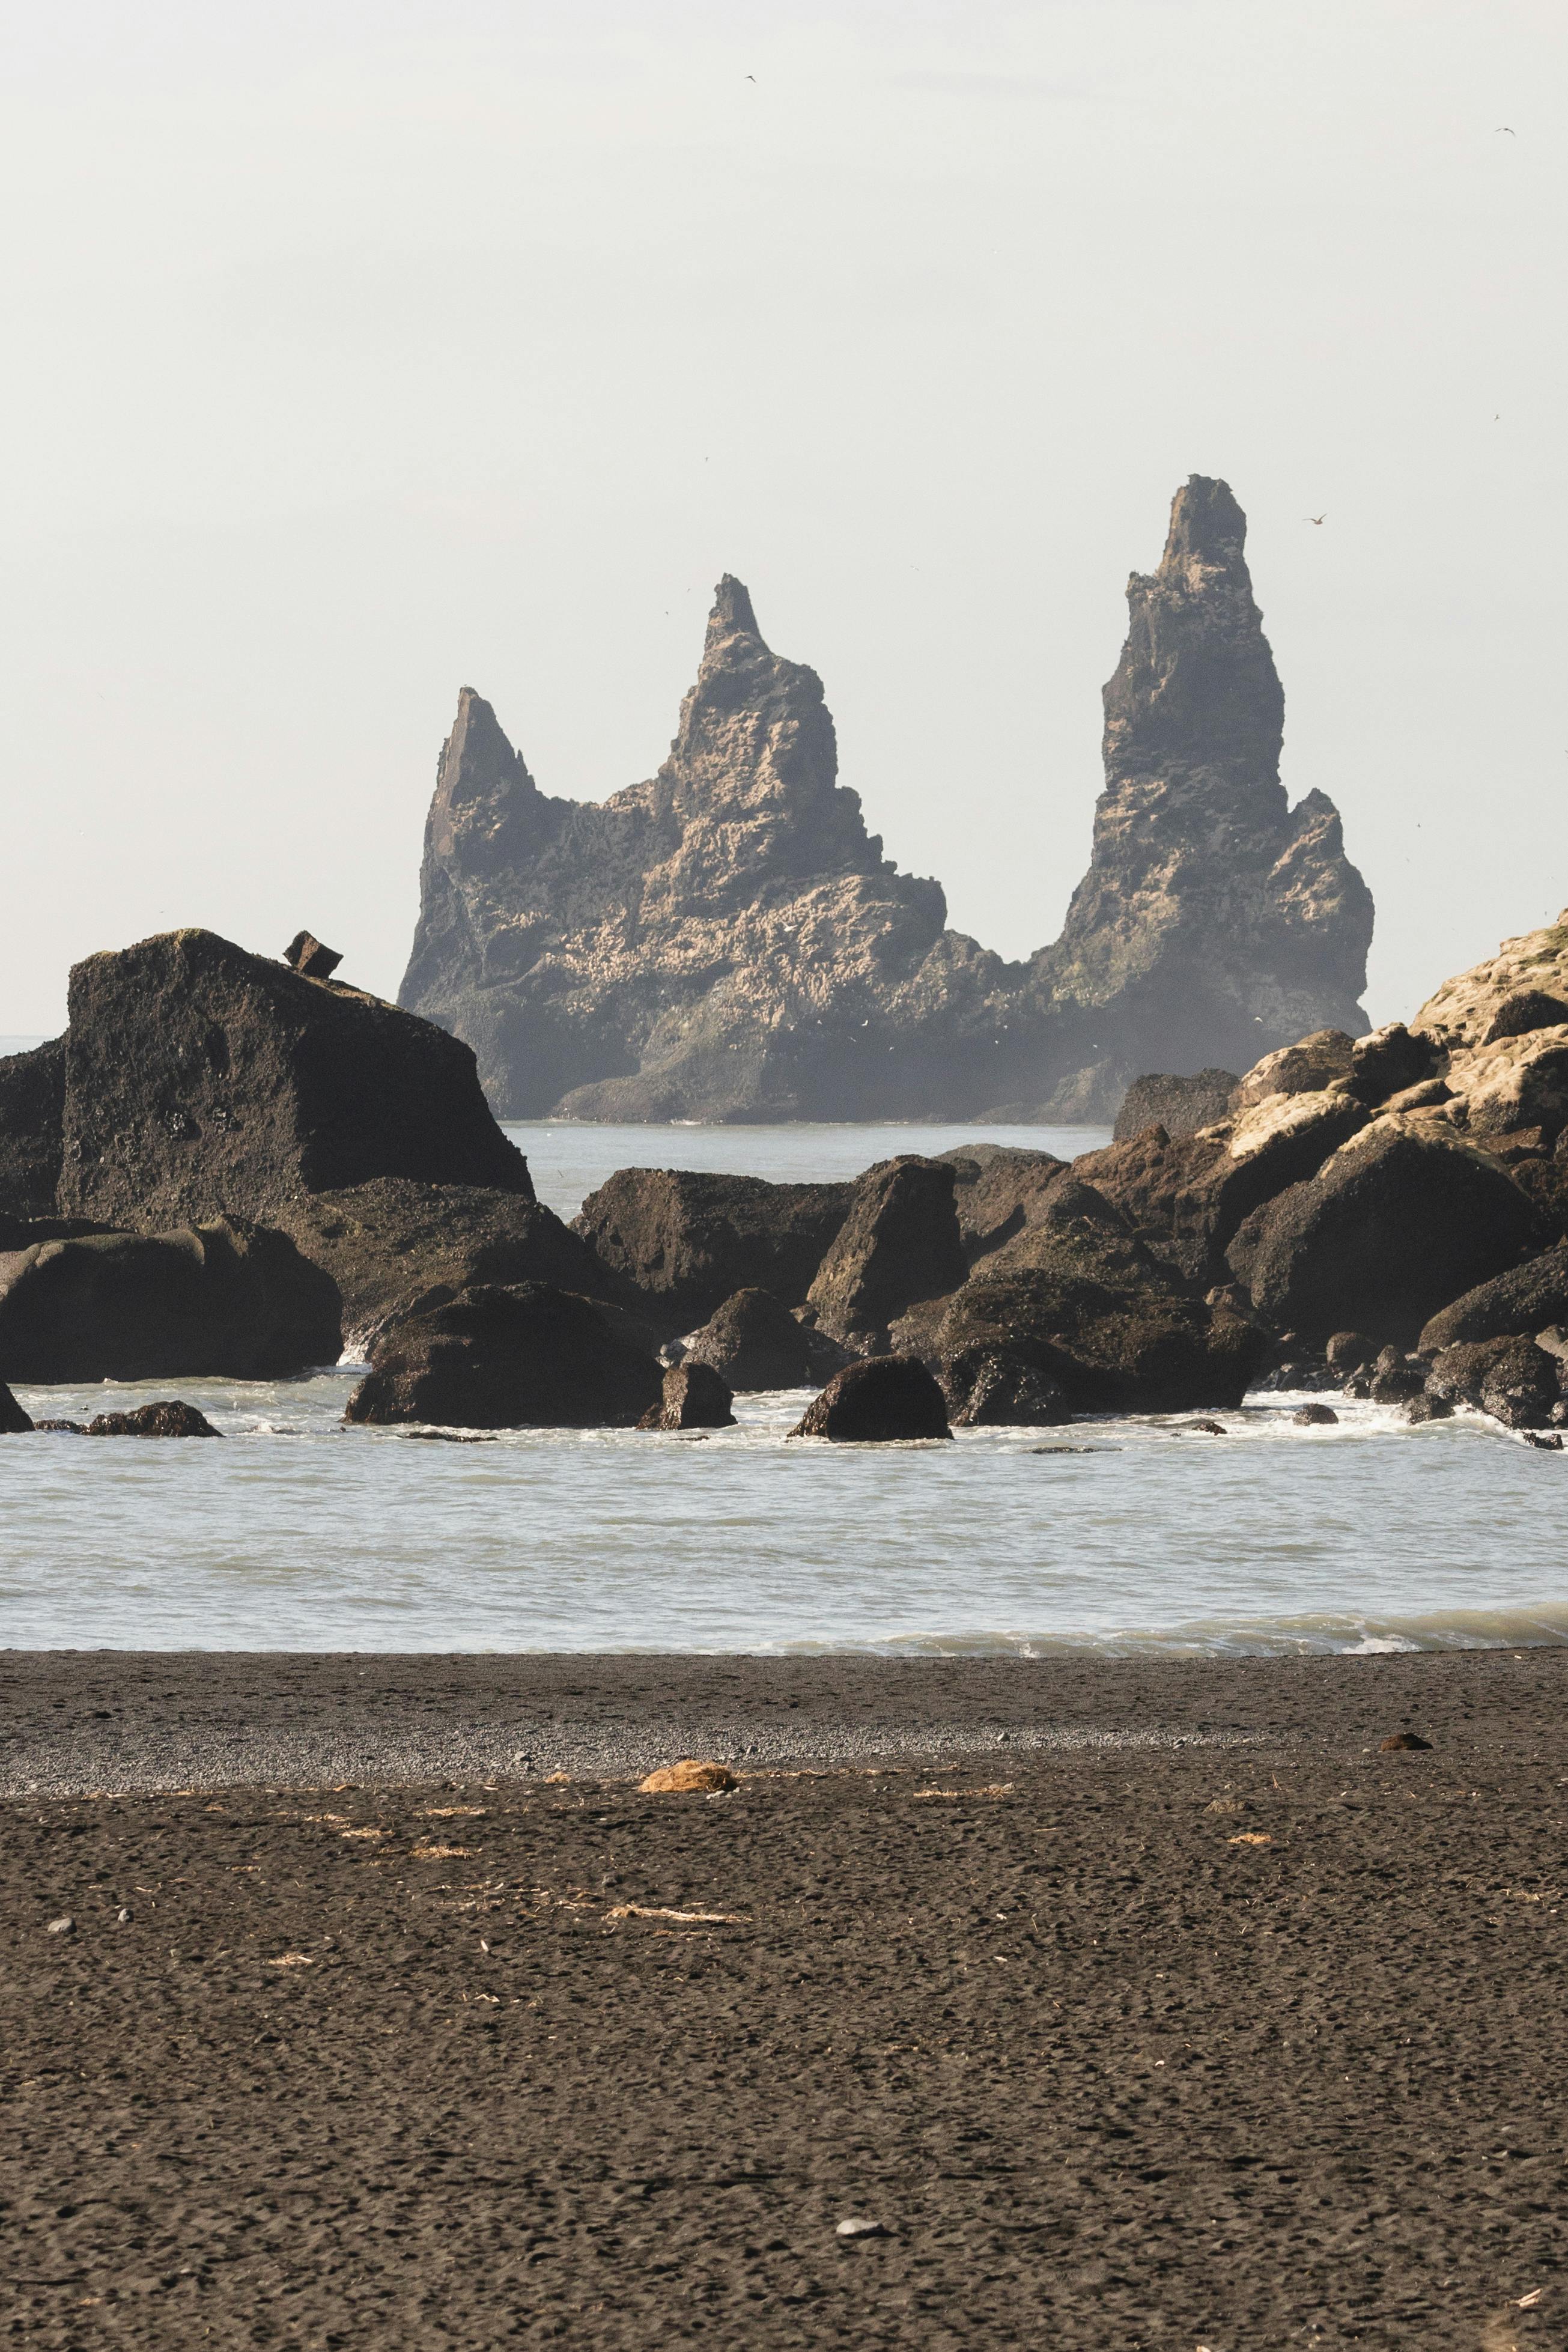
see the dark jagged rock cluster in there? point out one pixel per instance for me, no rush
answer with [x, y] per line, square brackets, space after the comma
[726, 941]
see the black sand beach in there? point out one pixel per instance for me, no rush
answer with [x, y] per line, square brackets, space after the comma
[1143, 2005]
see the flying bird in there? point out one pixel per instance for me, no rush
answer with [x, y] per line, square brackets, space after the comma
[1316, 519]
[751, 77]
[1507, 127]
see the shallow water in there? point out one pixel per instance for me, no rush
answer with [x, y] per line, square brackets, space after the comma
[298, 1534]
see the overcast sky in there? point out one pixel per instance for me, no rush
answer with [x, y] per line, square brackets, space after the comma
[364, 349]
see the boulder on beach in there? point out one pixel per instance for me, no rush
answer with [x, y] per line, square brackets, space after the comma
[1514, 1380]
[1097, 1321]
[13, 1421]
[687, 1240]
[395, 1244]
[1389, 1061]
[171, 1417]
[228, 1300]
[1397, 1222]
[877, 1401]
[899, 1242]
[203, 1081]
[1524, 1009]
[1181, 1106]
[752, 1341]
[520, 1356]
[32, 1111]
[1304, 1069]
[1004, 1385]
[994, 1187]
[694, 1398]
[1526, 1299]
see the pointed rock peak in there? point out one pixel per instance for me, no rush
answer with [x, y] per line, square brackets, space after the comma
[478, 762]
[732, 615]
[1207, 527]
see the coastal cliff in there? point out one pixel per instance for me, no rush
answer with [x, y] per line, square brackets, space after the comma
[728, 942]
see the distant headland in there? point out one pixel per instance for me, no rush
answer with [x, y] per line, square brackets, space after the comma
[726, 941]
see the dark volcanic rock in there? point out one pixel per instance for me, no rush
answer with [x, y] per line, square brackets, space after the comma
[752, 1341]
[1389, 1061]
[1181, 1106]
[224, 1301]
[688, 1240]
[521, 1357]
[202, 1081]
[1075, 1301]
[875, 1403]
[393, 1244]
[1003, 1386]
[1513, 1380]
[1395, 1377]
[305, 953]
[726, 941]
[1524, 1009]
[1394, 1227]
[32, 1109]
[898, 1244]
[1526, 1299]
[995, 1185]
[171, 1418]
[13, 1421]
[1348, 1351]
[694, 1398]
[1315, 1416]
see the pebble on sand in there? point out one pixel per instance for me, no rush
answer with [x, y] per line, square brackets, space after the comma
[60, 1927]
[1401, 1743]
[688, 1778]
[857, 2226]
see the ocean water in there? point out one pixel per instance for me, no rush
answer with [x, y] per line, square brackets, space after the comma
[1125, 1537]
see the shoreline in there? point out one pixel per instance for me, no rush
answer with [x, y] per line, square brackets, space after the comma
[129, 1721]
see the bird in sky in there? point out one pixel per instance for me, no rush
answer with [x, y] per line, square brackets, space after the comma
[751, 77]
[1503, 127]
[1316, 519]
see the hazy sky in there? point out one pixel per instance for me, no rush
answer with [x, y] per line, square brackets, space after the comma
[361, 350]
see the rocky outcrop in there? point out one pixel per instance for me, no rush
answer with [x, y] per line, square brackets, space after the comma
[1306, 1067]
[694, 1398]
[878, 1400]
[172, 1417]
[1181, 1106]
[1397, 1222]
[203, 1081]
[753, 1343]
[686, 1241]
[995, 1186]
[1075, 1315]
[898, 1244]
[13, 1421]
[32, 1115]
[1528, 1298]
[726, 941]
[225, 1300]
[1502, 1033]
[520, 1357]
[1512, 1380]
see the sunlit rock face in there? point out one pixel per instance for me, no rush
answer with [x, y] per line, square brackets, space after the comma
[726, 941]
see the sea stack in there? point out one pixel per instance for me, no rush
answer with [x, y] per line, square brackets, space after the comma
[727, 940]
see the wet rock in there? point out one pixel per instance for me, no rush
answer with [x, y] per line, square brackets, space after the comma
[688, 1240]
[1304, 1069]
[395, 1246]
[899, 1242]
[306, 955]
[1403, 1743]
[694, 1398]
[693, 1775]
[1181, 1106]
[1316, 1416]
[1389, 1060]
[753, 1343]
[1203, 1428]
[521, 1356]
[1078, 1302]
[228, 1300]
[202, 1082]
[1395, 1224]
[1002, 1387]
[1397, 1376]
[877, 1402]
[1551, 1444]
[32, 1110]
[1512, 1380]
[1523, 1010]
[171, 1417]
[13, 1421]
[1427, 1407]
[1347, 1351]
[1523, 1300]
